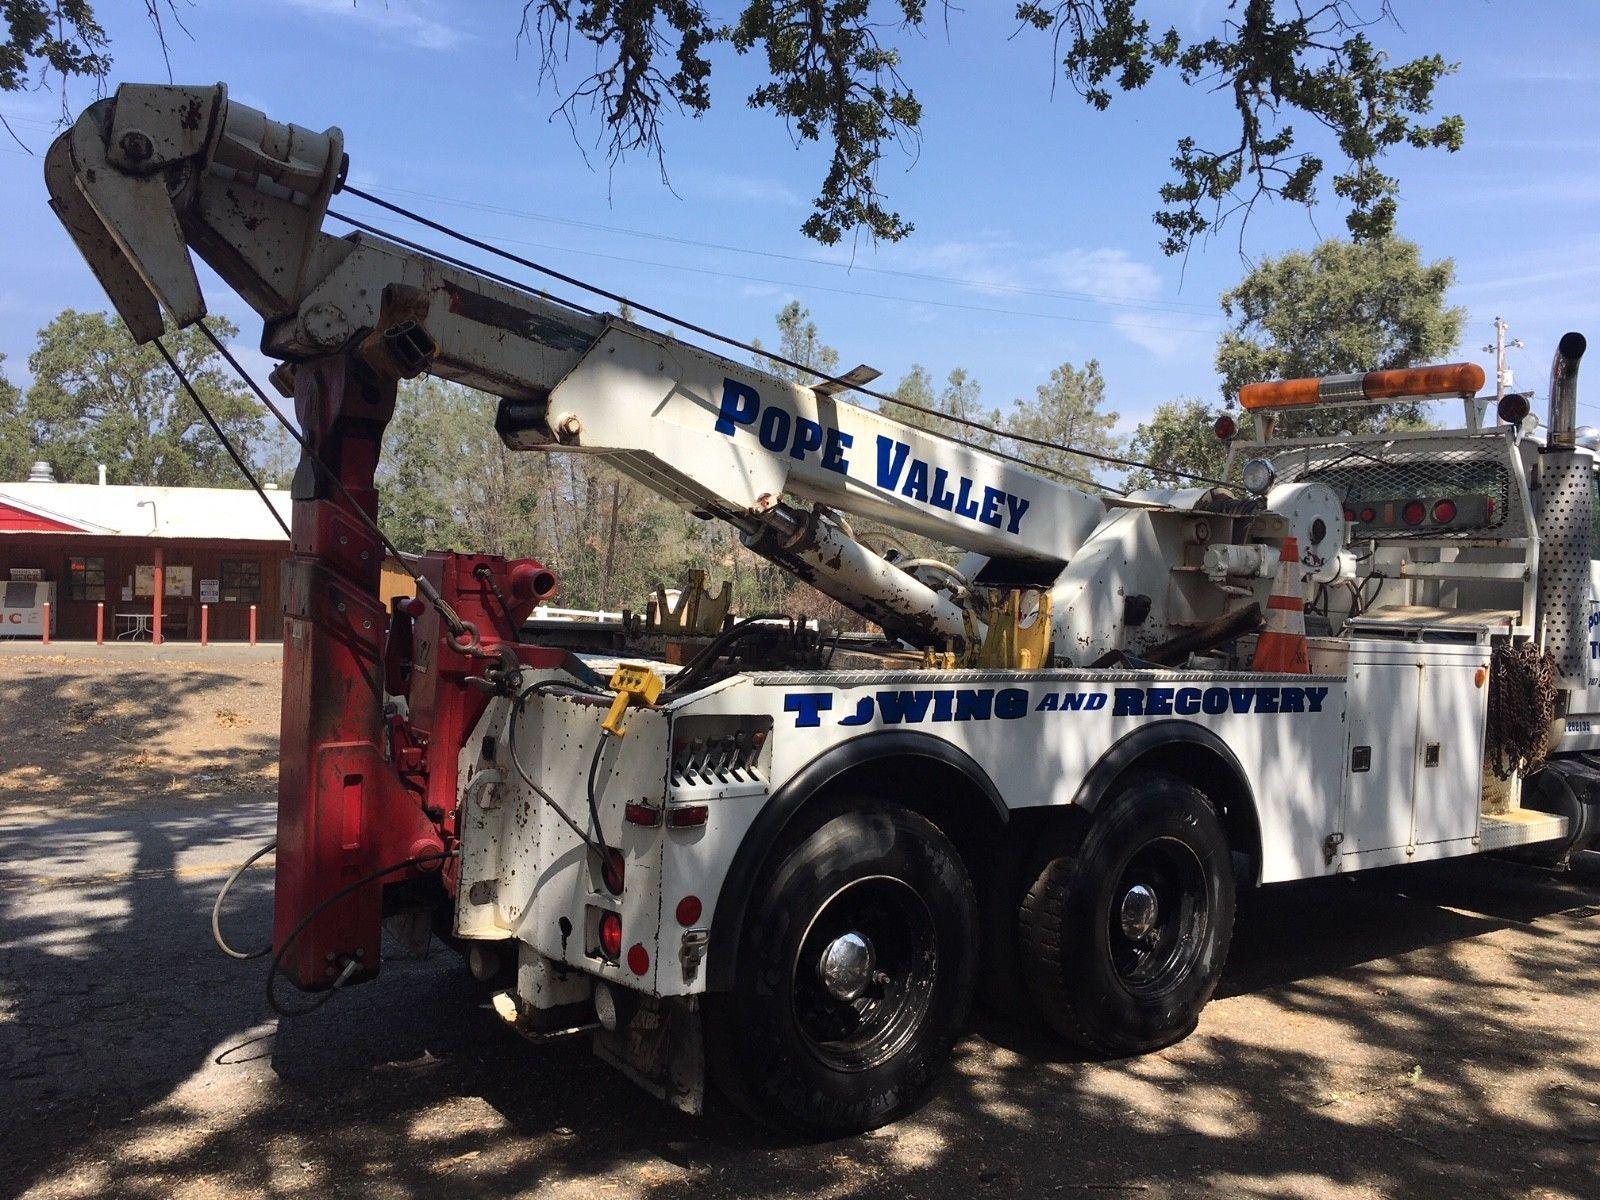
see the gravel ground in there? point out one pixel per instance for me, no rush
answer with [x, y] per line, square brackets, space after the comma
[1427, 1032]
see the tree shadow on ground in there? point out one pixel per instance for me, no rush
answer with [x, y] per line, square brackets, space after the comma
[1430, 1032]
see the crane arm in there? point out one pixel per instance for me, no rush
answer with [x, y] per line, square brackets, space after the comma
[146, 177]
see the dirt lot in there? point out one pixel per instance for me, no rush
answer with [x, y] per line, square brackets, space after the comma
[1431, 1032]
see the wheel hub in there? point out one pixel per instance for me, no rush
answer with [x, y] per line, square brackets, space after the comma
[1138, 912]
[846, 966]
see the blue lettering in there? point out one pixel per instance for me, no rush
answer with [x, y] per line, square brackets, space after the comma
[891, 461]
[966, 506]
[991, 506]
[942, 496]
[1242, 698]
[1315, 697]
[942, 703]
[1095, 702]
[1049, 703]
[908, 707]
[1010, 703]
[1214, 701]
[974, 705]
[917, 481]
[1074, 701]
[1129, 703]
[833, 452]
[1016, 505]
[1291, 699]
[1187, 702]
[862, 714]
[1266, 700]
[808, 705]
[774, 432]
[807, 437]
[740, 403]
[1157, 702]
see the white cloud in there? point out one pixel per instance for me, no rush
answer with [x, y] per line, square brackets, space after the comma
[408, 23]
[742, 189]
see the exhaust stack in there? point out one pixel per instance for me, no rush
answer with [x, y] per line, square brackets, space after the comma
[1566, 503]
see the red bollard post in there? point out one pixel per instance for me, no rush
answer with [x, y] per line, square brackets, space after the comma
[47, 622]
[100, 624]
[252, 624]
[205, 624]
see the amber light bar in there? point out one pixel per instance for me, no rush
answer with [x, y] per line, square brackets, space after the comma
[1453, 379]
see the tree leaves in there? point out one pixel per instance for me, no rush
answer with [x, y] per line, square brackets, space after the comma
[99, 398]
[835, 81]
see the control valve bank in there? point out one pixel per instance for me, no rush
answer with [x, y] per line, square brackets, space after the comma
[784, 862]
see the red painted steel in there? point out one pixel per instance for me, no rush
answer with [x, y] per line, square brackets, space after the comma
[45, 636]
[355, 792]
[205, 624]
[100, 623]
[252, 624]
[156, 635]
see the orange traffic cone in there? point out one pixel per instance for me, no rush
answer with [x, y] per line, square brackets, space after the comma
[1282, 644]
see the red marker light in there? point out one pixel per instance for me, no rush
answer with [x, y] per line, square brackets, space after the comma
[1225, 428]
[1369, 514]
[1414, 512]
[610, 935]
[1444, 512]
[1350, 514]
[689, 910]
[638, 959]
[687, 816]
[641, 814]
[614, 872]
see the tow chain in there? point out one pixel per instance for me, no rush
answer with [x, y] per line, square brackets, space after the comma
[1522, 704]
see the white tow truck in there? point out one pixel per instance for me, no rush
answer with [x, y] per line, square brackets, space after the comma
[788, 868]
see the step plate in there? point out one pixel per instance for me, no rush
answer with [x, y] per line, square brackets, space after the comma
[1521, 827]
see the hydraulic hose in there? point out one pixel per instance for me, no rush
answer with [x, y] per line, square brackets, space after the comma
[216, 908]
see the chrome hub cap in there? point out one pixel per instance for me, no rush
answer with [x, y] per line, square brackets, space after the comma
[1138, 912]
[846, 966]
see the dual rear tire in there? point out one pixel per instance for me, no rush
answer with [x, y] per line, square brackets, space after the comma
[860, 948]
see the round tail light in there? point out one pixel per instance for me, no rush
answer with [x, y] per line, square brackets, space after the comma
[689, 910]
[638, 959]
[1414, 512]
[1444, 512]
[611, 935]
[1225, 428]
[1369, 514]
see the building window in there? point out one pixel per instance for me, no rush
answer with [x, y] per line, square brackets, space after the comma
[241, 580]
[86, 578]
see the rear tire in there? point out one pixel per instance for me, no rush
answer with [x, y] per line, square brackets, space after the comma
[1124, 940]
[881, 895]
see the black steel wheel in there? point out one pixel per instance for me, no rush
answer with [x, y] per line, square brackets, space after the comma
[1125, 938]
[855, 972]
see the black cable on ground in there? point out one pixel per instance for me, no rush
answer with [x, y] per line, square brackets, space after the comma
[227, 445]
[316, 911]
[750, 348]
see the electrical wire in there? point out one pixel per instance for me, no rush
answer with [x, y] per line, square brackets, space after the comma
[750, 348]
[424, 587]
[420, 248]
[702, 662]
[227, 445]
[516, 761]
[216, 909]
[316, 911]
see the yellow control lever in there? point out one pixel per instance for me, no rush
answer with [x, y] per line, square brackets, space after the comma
[633, 685]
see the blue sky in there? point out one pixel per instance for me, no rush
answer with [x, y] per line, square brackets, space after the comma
[1032, 211]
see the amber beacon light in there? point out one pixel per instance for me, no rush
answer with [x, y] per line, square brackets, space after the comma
[1453, 379]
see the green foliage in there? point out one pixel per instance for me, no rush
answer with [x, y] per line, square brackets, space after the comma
[99, 398]
[1340, 307]
[959, 398]
[59, 37]
[1067, 409]
[798, 342]
[1178, 436]
[16, 439]
[834, 80]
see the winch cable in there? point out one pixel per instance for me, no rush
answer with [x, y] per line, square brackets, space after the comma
[227, 444]
[518, 285]
[216, 908]
[771, 356]
[316, 911]
[425, 589]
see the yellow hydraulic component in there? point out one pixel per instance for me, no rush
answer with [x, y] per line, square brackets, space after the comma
[1011, 645]
[633, 685]
[698, 612]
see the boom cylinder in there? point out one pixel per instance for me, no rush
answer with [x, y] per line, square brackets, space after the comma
[813, 546]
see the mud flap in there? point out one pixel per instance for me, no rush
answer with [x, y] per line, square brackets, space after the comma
[660, 1048]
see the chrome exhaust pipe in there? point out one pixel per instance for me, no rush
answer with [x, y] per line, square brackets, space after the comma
[1563, 423]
